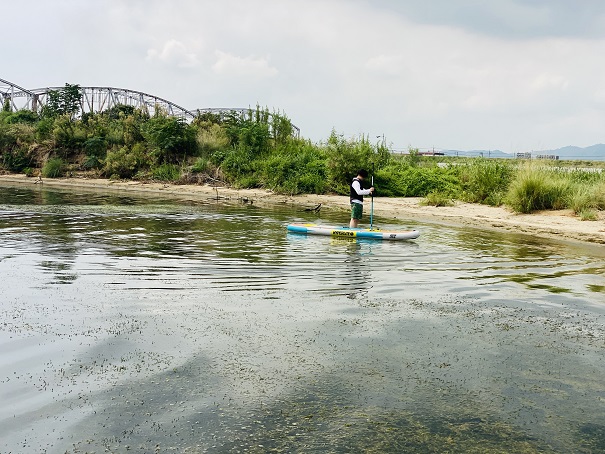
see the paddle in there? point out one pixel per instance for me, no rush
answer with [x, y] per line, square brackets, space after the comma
[372, 204]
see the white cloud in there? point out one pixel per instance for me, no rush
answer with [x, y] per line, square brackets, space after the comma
[174, 52]
[390, 65]
[547, 81]
[232, 65]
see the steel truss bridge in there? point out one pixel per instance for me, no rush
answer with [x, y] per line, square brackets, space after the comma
[99, 99]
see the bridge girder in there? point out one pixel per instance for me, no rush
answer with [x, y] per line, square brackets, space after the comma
[9, 91]
[99, 99]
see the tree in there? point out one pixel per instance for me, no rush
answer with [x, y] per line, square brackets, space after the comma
[65, 101]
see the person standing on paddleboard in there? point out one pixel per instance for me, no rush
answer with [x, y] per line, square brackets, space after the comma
[356, 197]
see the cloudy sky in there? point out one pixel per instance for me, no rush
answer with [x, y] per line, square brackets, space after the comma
[514, 75]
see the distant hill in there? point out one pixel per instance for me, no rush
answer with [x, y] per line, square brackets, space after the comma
[591, 153]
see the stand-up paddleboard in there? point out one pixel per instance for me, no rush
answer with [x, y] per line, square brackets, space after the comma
[347, 232]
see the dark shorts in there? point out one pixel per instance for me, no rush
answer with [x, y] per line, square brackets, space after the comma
[356, 210]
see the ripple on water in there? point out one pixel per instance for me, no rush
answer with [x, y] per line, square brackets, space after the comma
[201, 328]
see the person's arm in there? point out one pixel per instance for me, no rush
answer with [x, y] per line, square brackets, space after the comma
[360, 191]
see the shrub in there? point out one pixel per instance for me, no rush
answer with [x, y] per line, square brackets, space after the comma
[257, 130]
[211, 137]
[124, 163]
[238, 163]
[297, 166]
[166, 172]
[53, 168]
[69, 135]
[15, 142]
[91, 162]
[95, 146]
[437, 199]
[201, 165]
[249, 182]
[413, 157]
[170, 138]
[95, 149]
[44, 129]
[402, 180]
[281, 128]
[16, 159]
[252, 136]
[22, 116]
[346, 157]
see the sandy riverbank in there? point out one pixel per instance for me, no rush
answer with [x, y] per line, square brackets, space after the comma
[554, 224]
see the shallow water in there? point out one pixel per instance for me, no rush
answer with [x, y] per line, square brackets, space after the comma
[154, 326]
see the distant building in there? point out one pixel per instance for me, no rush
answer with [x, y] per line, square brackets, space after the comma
[547, 156]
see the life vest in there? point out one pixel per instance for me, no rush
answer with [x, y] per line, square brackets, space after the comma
[353, 193]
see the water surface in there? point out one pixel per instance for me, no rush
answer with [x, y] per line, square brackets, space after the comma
[155, 326]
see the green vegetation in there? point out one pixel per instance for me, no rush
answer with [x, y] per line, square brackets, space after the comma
[485, 181]
[258, 150]
[437, 199]
[53, 168]
[543, 188]
[538, 189]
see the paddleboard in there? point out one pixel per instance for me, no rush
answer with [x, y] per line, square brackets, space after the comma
[347, 232]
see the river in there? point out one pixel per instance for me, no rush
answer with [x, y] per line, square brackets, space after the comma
[146, 325]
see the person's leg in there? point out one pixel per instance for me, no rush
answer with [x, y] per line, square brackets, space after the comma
[356, 212]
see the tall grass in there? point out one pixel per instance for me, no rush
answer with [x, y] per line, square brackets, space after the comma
[538, 188]
[588, 197]
[485, 181]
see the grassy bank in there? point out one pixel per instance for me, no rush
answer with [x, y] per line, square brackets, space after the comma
[258, 150]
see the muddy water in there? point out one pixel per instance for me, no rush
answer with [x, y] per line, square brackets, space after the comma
[133, 325]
